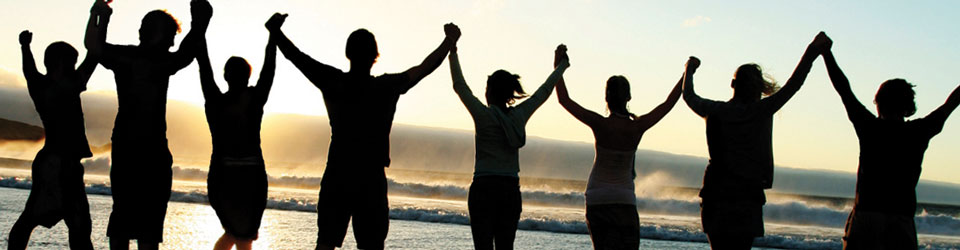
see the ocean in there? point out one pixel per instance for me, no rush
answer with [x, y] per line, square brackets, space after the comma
[432, 215]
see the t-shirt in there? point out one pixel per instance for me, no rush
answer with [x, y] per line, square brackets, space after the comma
[234, 119]
[891, 154]
[142, 78]
[61, 113]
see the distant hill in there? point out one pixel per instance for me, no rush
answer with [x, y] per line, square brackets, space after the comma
[16, 131]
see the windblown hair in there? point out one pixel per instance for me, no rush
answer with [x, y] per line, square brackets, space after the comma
[751, 76]
[896, 97]
[503, 88]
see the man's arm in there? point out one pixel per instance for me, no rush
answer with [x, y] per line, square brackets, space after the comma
[648, 120]
[29, 65]
[429, 64]
[820, 44]
[265, 82]
[316, 72]
[201, 12]
[939, 116]
[855, 110]
[96, 32]
[207, 82]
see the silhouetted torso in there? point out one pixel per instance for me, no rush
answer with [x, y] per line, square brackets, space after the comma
[361, 110]
[142, 79]
[739, 138]
[58, 103]
[234, 120]
[891, 154]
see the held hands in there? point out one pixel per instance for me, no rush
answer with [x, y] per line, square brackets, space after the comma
[693, 63]
[201, 11]
[275, 22]
[101, 8]
[821, 44]
[26, 37]
[452, 32]
[560, 56]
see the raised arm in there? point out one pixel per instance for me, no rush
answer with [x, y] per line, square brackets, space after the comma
[940, 115]
[96, 32]
[543, 92]
[582, 114]
[855, 110]
[200, 11]
[316, 72]
[434, 59]
[648, 120]
[207, 82]
[29, 65]
[474, 106]
[700, 106]
[265, 82]
[817, 47]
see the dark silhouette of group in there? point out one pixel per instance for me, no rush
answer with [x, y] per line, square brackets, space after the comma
[354, 184]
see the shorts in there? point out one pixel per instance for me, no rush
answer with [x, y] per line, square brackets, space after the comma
[614, 226]
[876, 230]
[732, 217]
[57, 191]
[140, 181]
[238, 193]
[352, 194]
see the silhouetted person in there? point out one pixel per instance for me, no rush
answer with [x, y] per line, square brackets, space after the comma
[361, 109]
[140, 175]
[237, 180]
[58, 191]
[494, 199]
[739, 139]
[611, 204]
[891, 154]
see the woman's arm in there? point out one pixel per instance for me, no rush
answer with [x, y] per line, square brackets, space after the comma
[474, 106]
[585, 116]
[317, 73]
[648, 120]
[700, 106]
[543, 92]
[820, 44]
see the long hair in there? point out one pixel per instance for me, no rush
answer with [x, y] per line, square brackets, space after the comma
[896, 98]
[617, 95]
[750, 78]
[503, 88]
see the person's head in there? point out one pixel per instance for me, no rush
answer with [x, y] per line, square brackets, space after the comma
[895, 99]
[236, 72]
[618, 94]
[362, 47]
[158, 29]
[60, 57]
[503, 88]
[749, 82]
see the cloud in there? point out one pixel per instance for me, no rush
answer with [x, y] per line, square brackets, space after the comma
[696, 21]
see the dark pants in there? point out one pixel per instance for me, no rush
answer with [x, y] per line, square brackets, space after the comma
[495, 205]
[876, 230]
[614, 226]
[59, 178]
[361, 195]
[731, 224]
[140, 181]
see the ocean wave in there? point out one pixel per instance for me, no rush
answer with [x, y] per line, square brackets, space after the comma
[795, 213]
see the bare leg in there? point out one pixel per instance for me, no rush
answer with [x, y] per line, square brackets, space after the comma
[119, 244]
[244, 244]
[20, 233]
[225, 242]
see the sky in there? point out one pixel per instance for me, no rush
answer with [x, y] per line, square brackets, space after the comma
[646, 41]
